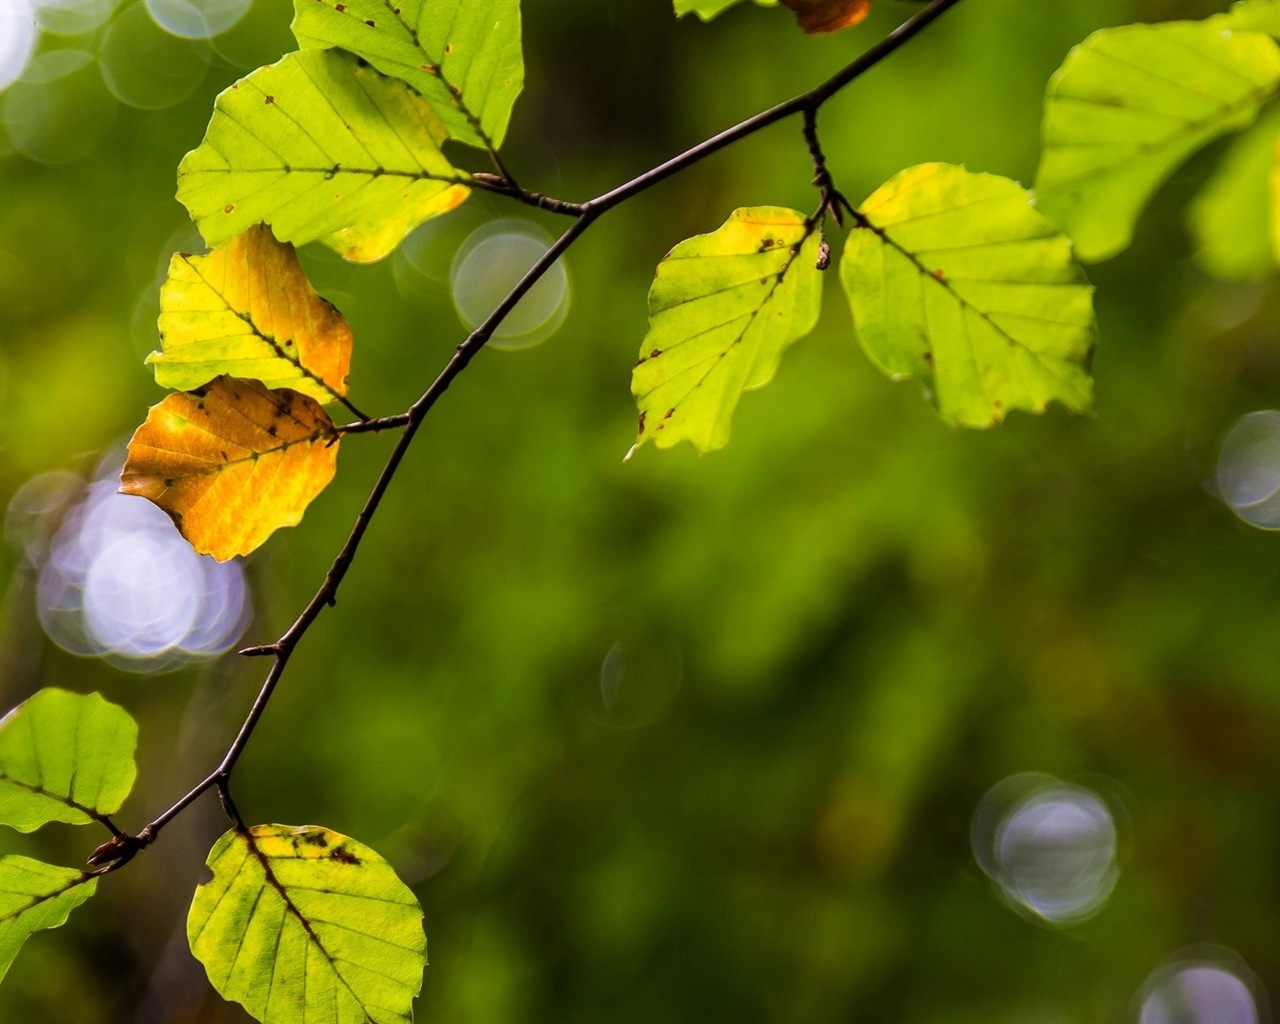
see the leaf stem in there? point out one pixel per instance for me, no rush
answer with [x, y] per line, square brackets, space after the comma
[584, 215]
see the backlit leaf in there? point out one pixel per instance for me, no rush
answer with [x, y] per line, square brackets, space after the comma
[1250, 15]
[232, 462]
[722, 308]
[64, 757]
[708, 9]
[1128, 106]
[321, 147]
[463, 56]
[247, 310]
[960, 282]
[828, 15]
[1231, 216]
[306, 926]
[34, 895]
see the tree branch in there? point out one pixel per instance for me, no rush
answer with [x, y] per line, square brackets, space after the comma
[584, 215]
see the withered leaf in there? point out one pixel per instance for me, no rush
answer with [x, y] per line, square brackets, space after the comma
[817, 16]
[232, 461]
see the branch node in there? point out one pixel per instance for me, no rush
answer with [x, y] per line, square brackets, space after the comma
[260, 651]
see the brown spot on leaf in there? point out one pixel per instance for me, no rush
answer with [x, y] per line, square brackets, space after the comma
[670, 413]
[343, 856]
[316, 839]
[642, 415]
[370, 22]
[229, 207]
[939, 274]
[269, 99]
[339, 7]
[655, 353]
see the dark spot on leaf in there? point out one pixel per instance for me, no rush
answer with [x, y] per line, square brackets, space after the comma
[169, 481]
[642, 415]
[767, 243]
[287, 168]
[223, 454]
[370, 22]
[272, 431]
[343, 856]
[655, 353]
[200, 405]
[361, 62]
[670, 413]
[430, 69]
[448, 47]
[939, 274]
[269, 99]
[316, 839]
[927, 357]
[379, 171]
[229, 207]
[340, 7]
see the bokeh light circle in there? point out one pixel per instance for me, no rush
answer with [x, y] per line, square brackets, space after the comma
[488, 265]
[1051, 847]
[17, 39]
[72, 17]
[58, 111]
[1202, 986]
[118, 582]
[639, 677]
[1248, 473]
[147, 67]
[197, 19]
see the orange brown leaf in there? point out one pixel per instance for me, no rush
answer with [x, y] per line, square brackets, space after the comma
[817, 16]
[247, 309]
[231, 462]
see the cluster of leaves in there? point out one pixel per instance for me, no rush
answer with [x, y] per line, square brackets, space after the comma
[965, 281]
[296, 923]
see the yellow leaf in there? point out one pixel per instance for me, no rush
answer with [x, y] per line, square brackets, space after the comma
[247, 310]
[828, 15]
[231, 462]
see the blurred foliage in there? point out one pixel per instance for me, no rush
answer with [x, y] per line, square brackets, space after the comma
[821, 646]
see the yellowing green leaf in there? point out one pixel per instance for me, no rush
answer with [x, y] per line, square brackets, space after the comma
[247, 310]
[828, 15]
[321, 147]
[64, 757]
[708, 9]
[722, 308]
[232, 462]
[306, 926]
[1128, 106]
[463, 56]
[34, 895]
[1230, 218]
[960, 282]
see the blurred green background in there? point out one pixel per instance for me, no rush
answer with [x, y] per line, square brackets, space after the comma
[686, 738]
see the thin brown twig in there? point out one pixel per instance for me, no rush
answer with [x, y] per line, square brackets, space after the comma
[584, 215]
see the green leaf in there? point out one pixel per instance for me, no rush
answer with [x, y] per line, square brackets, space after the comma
[1128, 106]
[463, 56]
[1231, 217]
[722, 308]
[322, 148]
[305, 926]
[247, 310]
[708, 9]
[957, 280]
[64, 757]
[34, 895]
